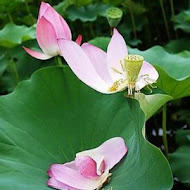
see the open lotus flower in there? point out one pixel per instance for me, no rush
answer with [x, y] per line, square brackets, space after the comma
[50, 27]
[111, 72]
[90, 169]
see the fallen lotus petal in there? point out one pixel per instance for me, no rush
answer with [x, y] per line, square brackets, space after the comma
[90, 169]
[50, 27]
[111, 72]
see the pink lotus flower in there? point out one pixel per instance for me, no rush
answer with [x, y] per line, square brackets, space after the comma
[90, 169]
[50, 27]
[111, 72]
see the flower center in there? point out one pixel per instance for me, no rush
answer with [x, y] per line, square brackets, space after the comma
[131, 67]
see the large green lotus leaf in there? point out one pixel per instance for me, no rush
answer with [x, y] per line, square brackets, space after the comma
[87, 13]
[52, 116]
[179, 160]
[12, 35]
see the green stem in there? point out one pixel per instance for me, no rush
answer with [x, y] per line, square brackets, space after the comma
[91, 30]
[10, 17]
[165, 20]
[132, 20]
[15, 71]
[173, 15]
[58, 61]
[165, 141]
[28, 10]
[111, 31]
[27, 7]
[172, 8]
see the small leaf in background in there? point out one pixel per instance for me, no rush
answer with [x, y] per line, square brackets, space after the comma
[179, 45]
[25, 65]
[12, 35]
[179, 160]
[101, 42]
[150, 104]
[50, 122]
[87, 13]
[182, 21]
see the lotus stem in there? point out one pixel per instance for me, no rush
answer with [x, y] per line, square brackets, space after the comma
[15, 71]
[173, 14]
[91, 30]
[10, 17]
[165, 20]
[165, 141]
[28, 10]
[58, 61]
[132, 20]
[172, 8]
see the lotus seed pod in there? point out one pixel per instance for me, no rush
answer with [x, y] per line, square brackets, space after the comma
[133, 64]
[114, 16]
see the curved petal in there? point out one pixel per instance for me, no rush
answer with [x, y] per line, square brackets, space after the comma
[116, 52]
[86, 166]
[98, 59]
[147, 75]
[60, 25]
[52, 182]
[74, 179]
[43, 8]
[79, 40]
[46, 37]
[37, 55]
[81, 65]
[113, 150]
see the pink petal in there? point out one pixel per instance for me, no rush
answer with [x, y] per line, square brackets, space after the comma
[148, 75]
[112, 150]
[81, 65]
[52, 182]
[37, 55]
[86, 166]
[79, 40]
[43, 8]
[61, 27]
[98, 59]
[117, 50]
[46, 37]
[74, 179]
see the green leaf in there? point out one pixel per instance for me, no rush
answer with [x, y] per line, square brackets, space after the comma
[12, 35]
[51, 117]
[183, 137]
[87, 13]
[150, 104]
[177, 88]
[179, 160]
[101, 42]
[24, 63]
[182, 21]
[179, 45]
